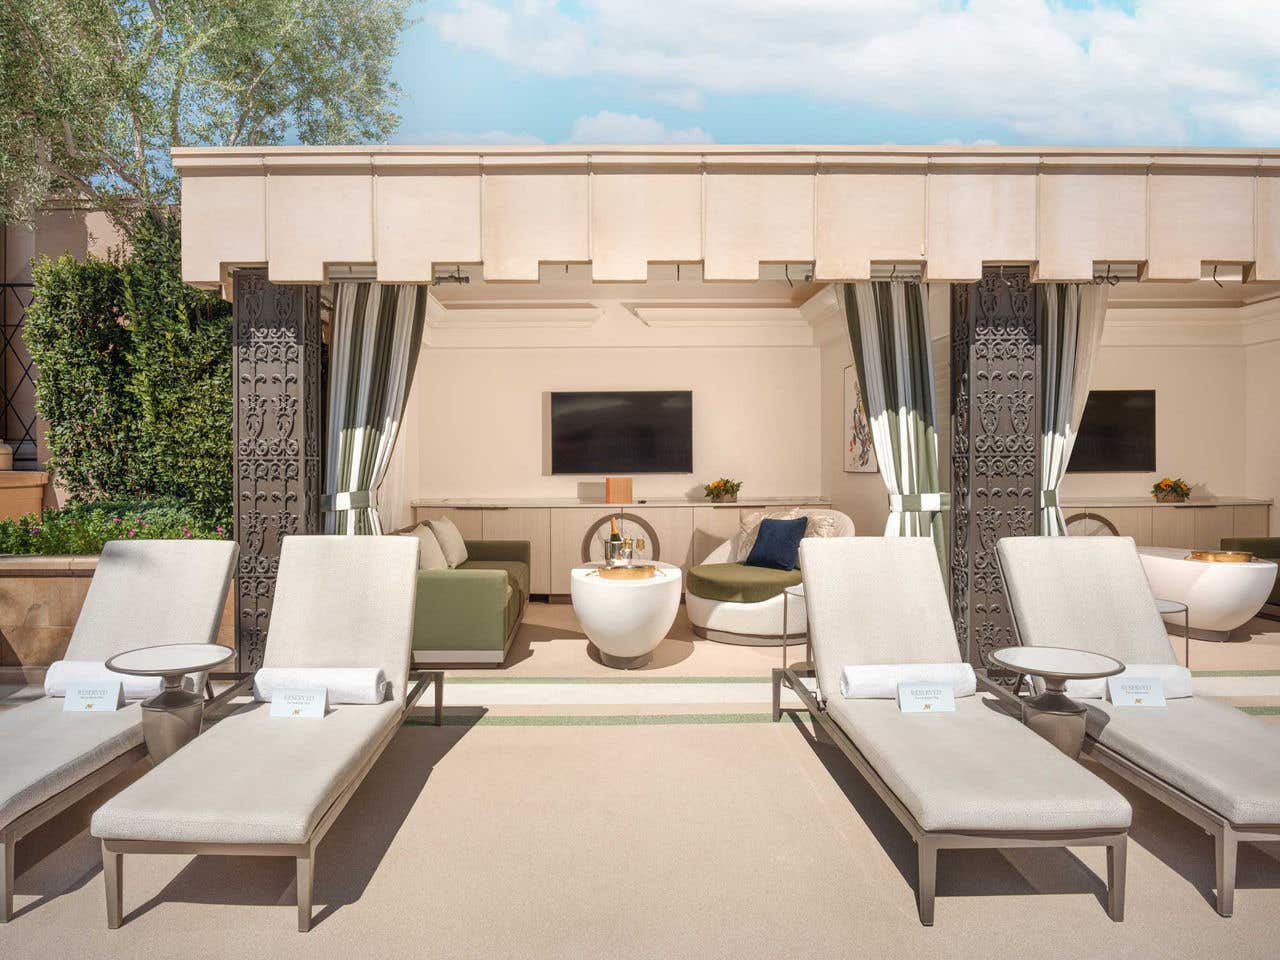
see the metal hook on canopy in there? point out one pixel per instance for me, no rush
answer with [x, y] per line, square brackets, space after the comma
[893, 272]
[1215, 276]
[786, 272]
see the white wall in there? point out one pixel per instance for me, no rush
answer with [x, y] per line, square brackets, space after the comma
[1200, 425]
[474, 425]
[1262, 424]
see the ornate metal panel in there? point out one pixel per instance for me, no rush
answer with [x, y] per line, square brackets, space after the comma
[995, 446]
[278, 426]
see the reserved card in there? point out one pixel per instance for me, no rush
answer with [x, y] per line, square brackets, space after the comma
[93, 697]
[300, 702]
[922, 697]
[1127, 691]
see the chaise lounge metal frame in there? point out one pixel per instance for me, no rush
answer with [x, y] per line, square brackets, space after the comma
[928, 842]
[113, 851]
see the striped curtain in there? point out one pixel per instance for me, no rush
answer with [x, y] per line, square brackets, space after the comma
[1073, 315]
[373, 349]
[888, 324]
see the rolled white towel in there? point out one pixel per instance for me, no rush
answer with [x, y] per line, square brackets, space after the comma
[344, 684]
[1175, 680]
[63, 673]
[879, 681]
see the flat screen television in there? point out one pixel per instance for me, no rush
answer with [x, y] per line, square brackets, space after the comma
[622, 431]
[1117, 433]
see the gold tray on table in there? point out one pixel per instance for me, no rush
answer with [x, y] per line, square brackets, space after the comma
[1221, 556]
[636, 571]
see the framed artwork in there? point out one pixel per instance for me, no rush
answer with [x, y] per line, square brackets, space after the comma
[859, 450]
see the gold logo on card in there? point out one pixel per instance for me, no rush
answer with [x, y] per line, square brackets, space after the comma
[297, 712]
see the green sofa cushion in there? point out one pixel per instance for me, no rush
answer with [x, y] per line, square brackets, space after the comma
[517, 572]
[737, 583]
[1264, 548]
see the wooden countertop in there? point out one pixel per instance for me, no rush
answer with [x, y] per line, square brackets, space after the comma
[494, 503]
[1150, 502]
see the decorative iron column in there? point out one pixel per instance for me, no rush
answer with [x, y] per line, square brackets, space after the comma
[995, 445]
[278, 439]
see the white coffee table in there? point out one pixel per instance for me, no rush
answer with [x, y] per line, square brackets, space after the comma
[1221, 596]
[171, 719]
[1053, 714]
[626, 619]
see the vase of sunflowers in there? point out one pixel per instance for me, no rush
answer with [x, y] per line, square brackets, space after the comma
[1171, 490]
[723, 490]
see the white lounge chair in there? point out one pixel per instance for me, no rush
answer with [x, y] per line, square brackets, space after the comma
[272, 786]
[1215, 765]
[973, 778]
[142, 592]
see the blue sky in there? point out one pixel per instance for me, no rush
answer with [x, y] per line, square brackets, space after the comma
[1175, 72]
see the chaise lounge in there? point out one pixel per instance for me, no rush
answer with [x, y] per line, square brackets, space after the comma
[272, 786]
[150, 591]
[973, 778]
[1207, 760]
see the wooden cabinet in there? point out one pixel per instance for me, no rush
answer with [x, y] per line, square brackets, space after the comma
[524, 523]
[1252, 520]
[1201, 526]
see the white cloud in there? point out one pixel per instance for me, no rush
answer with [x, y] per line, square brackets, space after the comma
[686, 99]
[1171, 71]
[609, 127]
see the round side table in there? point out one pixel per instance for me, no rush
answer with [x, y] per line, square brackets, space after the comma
[171, 719]
[626, 619]
[1173, 607]
[1053, 714]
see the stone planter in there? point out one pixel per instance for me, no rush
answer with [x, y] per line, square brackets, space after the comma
[1171, 497]
[727, 498]
[40, 601]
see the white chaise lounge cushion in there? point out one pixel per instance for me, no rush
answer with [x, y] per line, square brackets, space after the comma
[1225, 759]
[874, 600]
[46, 750]
[352, 685]
[977, 769]
[142, 592]
[1175, 681]
[1084, 593]
[880, 681]
[252, 778]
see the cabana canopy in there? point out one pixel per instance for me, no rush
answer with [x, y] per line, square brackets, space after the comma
[1170, 213]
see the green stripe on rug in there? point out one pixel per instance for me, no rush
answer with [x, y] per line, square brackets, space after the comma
[595, 720]
[450, 679]
[1268, 711]
[1235, 673]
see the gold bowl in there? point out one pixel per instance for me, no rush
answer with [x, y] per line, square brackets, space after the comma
[638, 571]
[1220, 556]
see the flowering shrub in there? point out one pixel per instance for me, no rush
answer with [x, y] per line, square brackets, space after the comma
[82, 528]
[722, 488]
[1171, 489]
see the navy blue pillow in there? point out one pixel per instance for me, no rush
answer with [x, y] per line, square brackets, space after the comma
[778, 544]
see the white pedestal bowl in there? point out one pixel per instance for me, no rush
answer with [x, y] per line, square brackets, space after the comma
[626, 619]
[1219, 596]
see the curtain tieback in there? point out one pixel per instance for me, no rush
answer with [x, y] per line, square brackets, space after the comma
[348, 500]
[1049, 499]
[919, 502]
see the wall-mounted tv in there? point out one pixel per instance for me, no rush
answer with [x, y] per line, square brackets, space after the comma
[626, 431]
[1117, 433]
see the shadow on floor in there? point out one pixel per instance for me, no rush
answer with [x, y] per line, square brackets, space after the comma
[1186, 849]
[350, 853]
[961, 873]
[522, 647]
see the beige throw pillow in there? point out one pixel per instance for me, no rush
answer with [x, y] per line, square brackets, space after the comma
[749, 529]
[430, 556]
[820, 525]
[455, 550]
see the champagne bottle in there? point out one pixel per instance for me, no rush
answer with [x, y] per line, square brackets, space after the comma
[613, 550]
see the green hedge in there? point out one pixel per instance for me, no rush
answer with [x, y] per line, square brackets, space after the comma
[83, 528]
[134, 375]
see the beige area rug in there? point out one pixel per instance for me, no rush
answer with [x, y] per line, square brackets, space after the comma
[719, 840]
